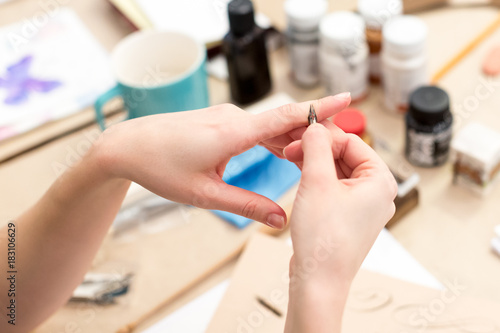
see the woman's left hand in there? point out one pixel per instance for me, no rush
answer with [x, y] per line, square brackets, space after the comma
[182, 156]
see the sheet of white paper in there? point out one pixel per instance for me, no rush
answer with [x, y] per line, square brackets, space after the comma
[205, 19]
[195, 316]
[387, 257]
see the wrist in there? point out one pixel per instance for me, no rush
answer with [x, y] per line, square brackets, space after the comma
[92, 174]
[329, 292]
[316, 304]
[101, 159]
[97, 169]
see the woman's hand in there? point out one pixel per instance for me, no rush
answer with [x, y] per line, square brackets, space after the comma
[344, 199]
[182, 156]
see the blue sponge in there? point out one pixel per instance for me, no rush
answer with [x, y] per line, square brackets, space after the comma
[259, 171]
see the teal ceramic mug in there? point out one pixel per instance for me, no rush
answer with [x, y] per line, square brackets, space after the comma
[157, 72]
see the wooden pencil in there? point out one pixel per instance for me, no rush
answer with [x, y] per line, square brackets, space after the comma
[465, 51]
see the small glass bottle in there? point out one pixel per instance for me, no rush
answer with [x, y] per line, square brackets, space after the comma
[376, 13]
[344, 54]
[245, 50]
[428, 127]
[303, 39]
[403, 60]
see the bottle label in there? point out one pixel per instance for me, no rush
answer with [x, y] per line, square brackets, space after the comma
[344, 74]
[399, 84]
[304, 62]
[428, 149]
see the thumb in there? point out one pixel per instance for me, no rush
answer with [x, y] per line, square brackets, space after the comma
[246, 203]
[319, 164]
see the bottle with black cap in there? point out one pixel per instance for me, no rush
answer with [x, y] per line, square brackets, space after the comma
[428, 127]
[246, 55]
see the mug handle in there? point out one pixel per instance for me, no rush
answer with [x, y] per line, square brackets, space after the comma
[101, 101]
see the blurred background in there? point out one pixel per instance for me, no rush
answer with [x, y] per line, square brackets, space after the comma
[423, 75]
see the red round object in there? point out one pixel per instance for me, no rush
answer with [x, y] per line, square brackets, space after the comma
[350, 121]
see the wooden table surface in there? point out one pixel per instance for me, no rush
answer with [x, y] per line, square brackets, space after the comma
[448, 233]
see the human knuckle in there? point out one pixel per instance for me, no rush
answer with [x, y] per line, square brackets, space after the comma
[286, 111]
[201, 200]
[392, 210]
[222, 132]
[391, 185]
[250, 208]
[350, 137]
[208, 194]
[230, 107]
[387, 189]
[394, 192]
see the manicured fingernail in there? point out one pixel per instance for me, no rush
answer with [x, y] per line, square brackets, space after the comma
[344, 95]
[275, 221]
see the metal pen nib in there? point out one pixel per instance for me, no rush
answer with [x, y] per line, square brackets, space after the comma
[313, 119]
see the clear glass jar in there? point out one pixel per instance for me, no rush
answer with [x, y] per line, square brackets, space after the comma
[303, 39]
[344, 54]
[403, 60]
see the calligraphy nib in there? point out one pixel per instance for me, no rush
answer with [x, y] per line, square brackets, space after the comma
[313, 119]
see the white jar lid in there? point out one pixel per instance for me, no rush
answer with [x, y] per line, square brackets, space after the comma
[377, 12]
[305, 14]
[342, 29]
[404, 35]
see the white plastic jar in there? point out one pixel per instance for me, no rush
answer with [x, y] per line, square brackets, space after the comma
[376, 13]
[344, 54]
[303, 19]
[403, 60]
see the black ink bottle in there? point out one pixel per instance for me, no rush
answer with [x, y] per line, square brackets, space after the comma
[428, 127]
[245, 50]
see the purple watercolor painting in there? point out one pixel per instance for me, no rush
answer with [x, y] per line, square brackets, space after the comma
[50, 79]
[19, 84]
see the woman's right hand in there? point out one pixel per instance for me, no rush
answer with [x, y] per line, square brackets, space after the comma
[182, 156]
[344, 199]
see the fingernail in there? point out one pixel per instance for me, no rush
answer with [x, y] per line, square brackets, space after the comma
[344, 95]
[275, 221]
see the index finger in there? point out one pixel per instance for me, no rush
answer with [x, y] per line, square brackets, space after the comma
[348, 148]
[281, 120]
[357, 155]
[365, 164]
